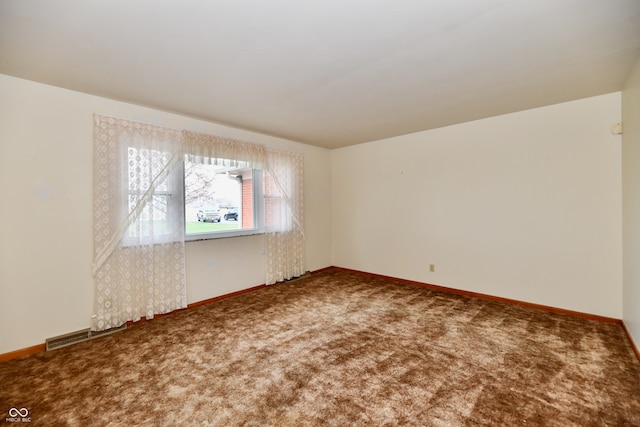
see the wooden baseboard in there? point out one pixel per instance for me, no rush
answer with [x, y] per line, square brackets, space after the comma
[42, 347]
[22, 352]
[324, 269]
[504, 300]
[229, 295]
[507, 301]
[631, 341]
[490, 297]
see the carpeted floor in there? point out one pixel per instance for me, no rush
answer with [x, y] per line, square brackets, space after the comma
[338, 349]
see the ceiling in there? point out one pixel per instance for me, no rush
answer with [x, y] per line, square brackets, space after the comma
[329, 73]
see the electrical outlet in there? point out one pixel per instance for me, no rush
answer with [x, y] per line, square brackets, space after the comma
[432, 267]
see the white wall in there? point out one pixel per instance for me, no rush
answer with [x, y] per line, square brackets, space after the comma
[524, 206]
[631, 202]
[46, 233]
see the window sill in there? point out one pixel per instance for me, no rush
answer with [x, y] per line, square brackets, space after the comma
[221, 235]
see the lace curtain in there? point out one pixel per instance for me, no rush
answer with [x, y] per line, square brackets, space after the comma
[139, 257]
[284, 213]
[283, 196]
[210, 149]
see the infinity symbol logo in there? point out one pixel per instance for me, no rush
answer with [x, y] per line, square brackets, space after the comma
[22, 412]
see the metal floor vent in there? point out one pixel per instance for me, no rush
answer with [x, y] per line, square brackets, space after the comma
[78, 336]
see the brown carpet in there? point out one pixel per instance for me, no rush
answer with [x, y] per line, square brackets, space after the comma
[339, 349]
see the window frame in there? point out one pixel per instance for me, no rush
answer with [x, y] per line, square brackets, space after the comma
[258, 212]
[177, 178]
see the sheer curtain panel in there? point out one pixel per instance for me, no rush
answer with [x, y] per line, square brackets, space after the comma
[139, 257]
[284, 213]
[211, 149]
[283, 196]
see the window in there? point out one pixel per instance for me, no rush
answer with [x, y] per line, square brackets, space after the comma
[151, 221]
[222, 200]
[219, 201]
[275, 213]
[141, 214]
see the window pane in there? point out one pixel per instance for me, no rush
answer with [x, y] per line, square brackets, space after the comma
[274, 207]
[153, 219]
[143, 166]
[218, 198]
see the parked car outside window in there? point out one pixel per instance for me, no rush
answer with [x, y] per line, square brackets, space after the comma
[232, 213]
[209, 214]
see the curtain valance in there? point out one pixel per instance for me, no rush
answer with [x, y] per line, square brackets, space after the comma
[211, 149]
